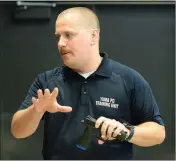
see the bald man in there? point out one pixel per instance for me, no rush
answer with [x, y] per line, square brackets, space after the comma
[77, 30]
[89, 83]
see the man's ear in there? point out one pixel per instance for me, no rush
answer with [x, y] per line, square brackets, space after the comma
[95, 36]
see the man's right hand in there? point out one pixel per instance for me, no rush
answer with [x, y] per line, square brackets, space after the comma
[48, 102]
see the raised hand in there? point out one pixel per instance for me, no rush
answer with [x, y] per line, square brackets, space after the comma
[48, 102]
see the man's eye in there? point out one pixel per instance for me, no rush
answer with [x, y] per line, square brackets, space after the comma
[68, 35]
[58, 37]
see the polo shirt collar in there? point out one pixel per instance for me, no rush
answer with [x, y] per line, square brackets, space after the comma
[105, 68]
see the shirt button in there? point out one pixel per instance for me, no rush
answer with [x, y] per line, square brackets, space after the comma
[85, 92]
[85, 82]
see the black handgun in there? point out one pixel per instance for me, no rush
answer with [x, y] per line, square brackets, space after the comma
[90, 130]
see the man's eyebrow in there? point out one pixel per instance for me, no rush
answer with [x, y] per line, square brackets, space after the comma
[57, 34]
[68, 31]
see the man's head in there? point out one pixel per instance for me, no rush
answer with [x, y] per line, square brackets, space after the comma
[77, 30]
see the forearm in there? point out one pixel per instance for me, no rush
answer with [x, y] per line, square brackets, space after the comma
[148, 134]
[25, 122]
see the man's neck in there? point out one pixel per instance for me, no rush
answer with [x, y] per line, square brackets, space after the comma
[92, 65]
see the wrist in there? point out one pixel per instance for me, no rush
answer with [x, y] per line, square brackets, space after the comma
[127, 133]
[130, 131]
[37, 112]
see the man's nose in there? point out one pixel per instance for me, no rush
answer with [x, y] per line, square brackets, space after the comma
[61, 43]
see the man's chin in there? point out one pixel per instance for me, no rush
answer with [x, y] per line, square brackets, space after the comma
[72, 66]
[68, 64]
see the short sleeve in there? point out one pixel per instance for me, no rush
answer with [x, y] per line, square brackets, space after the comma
[144, 106]
[32, 92]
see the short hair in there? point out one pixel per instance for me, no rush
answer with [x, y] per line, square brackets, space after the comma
[89, 18]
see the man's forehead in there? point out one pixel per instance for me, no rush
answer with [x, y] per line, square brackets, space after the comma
[65, 30]
[68, 26]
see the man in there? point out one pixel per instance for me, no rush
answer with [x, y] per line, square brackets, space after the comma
[89, 83]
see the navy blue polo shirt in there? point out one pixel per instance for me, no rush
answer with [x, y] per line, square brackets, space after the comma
[114, 91]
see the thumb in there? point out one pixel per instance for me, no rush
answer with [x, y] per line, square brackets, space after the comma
[64, 108]
[100, 142]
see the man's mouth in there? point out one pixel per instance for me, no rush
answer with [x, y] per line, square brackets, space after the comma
[65, 53]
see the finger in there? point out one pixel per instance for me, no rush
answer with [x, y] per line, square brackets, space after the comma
[114, 127]
[64, 108]
[99, 121]
[107, 138]
[110, 131]
[111, 138]
[116, 132]
[104, 137]
[104, 128]
[47, 93]
[34, 101]
[54, 93]
[100, 142]
[40, 94]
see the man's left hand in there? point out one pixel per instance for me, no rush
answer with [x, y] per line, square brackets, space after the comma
[110, 128]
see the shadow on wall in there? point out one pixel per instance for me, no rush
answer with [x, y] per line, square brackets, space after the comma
[16, 149]
[154, 153]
